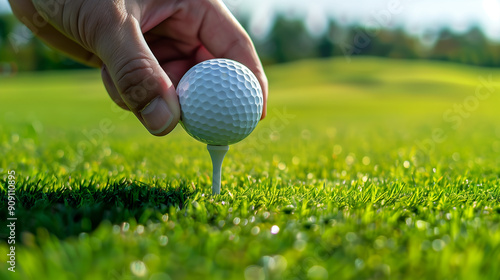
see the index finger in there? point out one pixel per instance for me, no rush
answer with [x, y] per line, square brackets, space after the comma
[223, 36]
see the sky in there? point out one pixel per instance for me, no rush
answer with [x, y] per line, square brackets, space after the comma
[416, 16]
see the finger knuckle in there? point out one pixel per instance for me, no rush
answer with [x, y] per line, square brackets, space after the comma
[135, 80]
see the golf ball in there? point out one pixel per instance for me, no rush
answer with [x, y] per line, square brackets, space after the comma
[221, 101]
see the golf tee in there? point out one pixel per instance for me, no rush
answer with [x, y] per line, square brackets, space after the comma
[217, 153]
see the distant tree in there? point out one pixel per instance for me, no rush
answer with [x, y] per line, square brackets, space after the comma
[290, 40]
[447, 46]
[474, 45]
[7, 24]
[326, 43]
[403, 46]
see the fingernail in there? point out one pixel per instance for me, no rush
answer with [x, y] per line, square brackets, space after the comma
[157, 116]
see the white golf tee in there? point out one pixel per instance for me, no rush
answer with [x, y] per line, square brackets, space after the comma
[217, 153]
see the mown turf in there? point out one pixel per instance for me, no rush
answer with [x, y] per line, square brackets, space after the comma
[362, 170]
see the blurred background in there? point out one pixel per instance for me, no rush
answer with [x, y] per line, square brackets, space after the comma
[463, 31]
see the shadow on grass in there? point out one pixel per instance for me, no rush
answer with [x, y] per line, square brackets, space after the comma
[81, 206]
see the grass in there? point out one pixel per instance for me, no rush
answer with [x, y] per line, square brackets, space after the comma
[343, 180]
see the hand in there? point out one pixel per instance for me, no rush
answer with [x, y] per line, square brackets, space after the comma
[143, 47]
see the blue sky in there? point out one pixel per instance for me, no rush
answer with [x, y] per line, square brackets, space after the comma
[416, 16]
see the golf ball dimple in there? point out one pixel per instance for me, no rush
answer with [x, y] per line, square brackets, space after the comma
[221, 101]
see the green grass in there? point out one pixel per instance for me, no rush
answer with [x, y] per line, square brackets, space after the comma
[336, 167]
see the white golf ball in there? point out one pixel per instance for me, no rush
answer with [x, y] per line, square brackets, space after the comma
[221, 101]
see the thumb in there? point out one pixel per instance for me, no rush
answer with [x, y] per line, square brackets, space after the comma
[139, 79]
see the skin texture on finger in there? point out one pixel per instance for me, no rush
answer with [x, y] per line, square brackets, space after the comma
[175, 42]
[176, 61]
[177, 68]
[139, 78]
[28, 15]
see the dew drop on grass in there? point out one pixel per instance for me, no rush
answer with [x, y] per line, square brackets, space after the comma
[421, 225]
[281, 166]
[351, 237]
[366, 160]
[125, 227]
[138, 268]
[317, 273]
[359, 263]
[236, 221]
[438, 245]
[255, 230]
[349, 160]
[406, 164]
[280, 263]
[140, 229]
[268, 262]
[275, 229]
[163, 240]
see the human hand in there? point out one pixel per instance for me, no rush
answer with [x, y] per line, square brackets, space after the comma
[143, 47]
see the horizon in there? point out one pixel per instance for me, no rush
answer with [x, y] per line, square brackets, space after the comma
[416, 18]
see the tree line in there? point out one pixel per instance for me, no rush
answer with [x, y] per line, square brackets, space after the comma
[288, 40]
